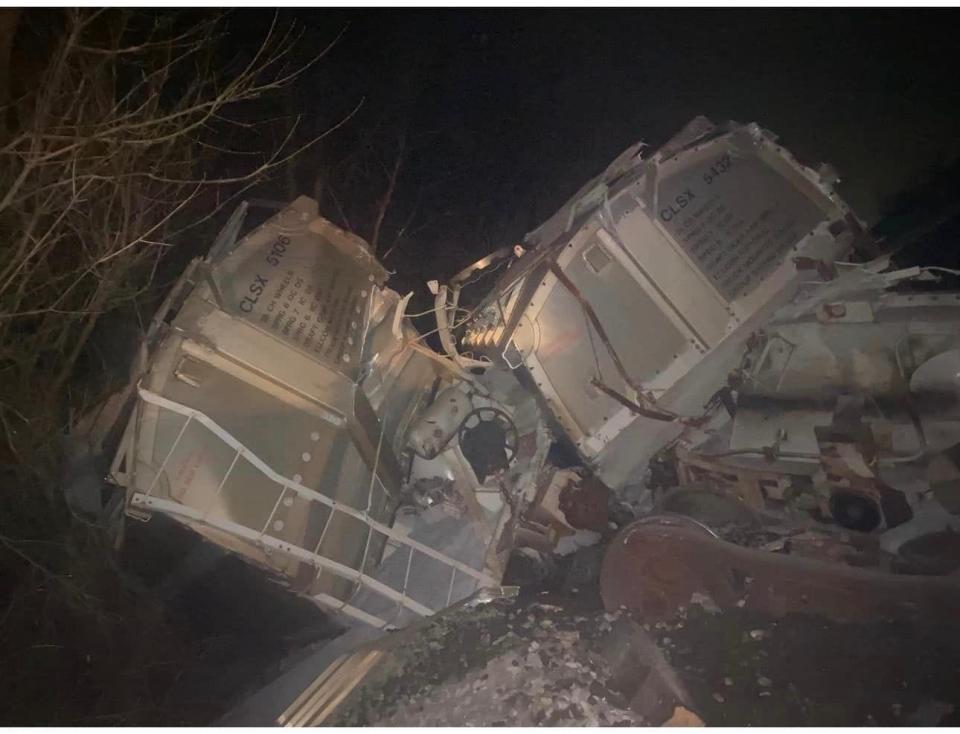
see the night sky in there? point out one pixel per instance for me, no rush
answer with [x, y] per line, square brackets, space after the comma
[508, 112]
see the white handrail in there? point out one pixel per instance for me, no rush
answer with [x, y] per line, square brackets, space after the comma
[172, 507]
[242, 531]
[306, 492]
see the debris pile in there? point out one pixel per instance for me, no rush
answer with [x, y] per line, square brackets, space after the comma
[536, 665]
[555, 663]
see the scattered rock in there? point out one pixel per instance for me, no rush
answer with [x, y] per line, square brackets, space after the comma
[759, 634]
[728, 681]
[718, 697]
[764, 681]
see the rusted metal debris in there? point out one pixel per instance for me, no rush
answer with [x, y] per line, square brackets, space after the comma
[757, 487]
[585, 504]
[654, 569]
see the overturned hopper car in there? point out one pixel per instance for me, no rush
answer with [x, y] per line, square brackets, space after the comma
[281, 390]
[635, 300]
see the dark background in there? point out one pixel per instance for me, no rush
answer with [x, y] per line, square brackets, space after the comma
[505, 113]
[502, 114]
[496, 117]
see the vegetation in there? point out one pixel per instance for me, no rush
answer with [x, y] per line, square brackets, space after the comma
[110, 133]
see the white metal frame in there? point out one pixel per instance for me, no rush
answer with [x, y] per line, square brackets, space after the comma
[145, 501]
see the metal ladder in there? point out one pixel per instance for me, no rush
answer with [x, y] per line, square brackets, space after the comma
[147, 502]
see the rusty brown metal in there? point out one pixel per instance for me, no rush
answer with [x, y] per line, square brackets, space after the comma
[565, 502]
[585, 504]
[628, 403]
[848, 455]
[826, 270]
[655, 569]
[756, 487]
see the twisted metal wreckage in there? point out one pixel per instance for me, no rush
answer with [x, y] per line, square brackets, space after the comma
[710, 316]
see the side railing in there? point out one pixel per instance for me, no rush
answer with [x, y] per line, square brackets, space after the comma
[147, 501]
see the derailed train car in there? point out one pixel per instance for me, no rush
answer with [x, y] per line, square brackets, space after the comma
[715, 308]
[637, 297]
[285, 414]
[701, 301]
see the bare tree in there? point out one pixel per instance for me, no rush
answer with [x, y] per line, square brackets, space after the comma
[105, 159]
[121, 135]
[384, 204]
